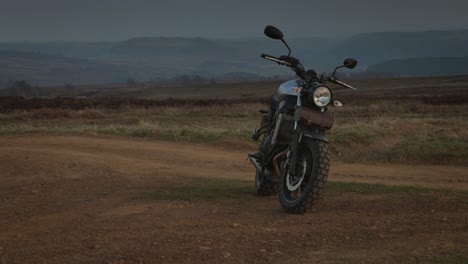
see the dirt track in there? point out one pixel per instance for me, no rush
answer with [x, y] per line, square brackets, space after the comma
[78, 200]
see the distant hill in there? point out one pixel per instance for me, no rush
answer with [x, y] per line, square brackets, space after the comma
[423, 66]
[147, 58]
[83, 50]
[164, 46]
[372, 48]
[45, 69]
[156, 57]
[184, 55]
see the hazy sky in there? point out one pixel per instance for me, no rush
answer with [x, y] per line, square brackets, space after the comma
[122, 19]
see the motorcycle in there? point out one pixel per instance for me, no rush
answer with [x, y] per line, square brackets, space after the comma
[293, 157]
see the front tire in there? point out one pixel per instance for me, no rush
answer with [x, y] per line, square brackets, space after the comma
[301, 191]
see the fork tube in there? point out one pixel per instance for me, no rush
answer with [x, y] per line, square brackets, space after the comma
[298, 104]
[295, 141]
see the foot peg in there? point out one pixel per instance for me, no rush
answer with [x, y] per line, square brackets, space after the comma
[256, 155]
[256, 159]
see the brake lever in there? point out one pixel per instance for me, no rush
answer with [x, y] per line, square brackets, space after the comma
[291, 60]
[279, 61]
[336, 81]
[345, 85]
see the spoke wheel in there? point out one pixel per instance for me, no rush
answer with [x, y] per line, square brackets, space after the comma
[300, 191]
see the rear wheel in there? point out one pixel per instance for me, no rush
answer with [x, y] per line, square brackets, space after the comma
[264, 184]
[300, 191]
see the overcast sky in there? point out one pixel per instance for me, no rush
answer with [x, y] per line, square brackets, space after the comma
[121, 19]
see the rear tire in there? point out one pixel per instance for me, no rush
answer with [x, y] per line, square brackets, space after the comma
[265, 185]
[312, 170]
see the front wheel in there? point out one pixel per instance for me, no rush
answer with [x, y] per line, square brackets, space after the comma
[300, 191]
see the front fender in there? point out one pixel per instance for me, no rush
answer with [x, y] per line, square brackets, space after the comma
[317, 136]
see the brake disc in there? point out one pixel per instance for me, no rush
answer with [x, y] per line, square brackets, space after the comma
[293, 182]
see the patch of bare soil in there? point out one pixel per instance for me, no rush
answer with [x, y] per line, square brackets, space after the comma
[81, 200]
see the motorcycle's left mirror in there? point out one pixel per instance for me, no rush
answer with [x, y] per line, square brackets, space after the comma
[350, 63]
[272, 32]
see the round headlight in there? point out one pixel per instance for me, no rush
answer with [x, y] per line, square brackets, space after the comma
[322, 96]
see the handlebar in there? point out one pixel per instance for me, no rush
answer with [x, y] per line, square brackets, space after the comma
[336, 81]
[291, 62]
[275, 59]
[297, 67]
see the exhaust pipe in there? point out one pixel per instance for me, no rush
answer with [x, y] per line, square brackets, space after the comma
[277, 162]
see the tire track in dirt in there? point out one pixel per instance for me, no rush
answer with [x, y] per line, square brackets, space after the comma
[69, 199]
[445, 177]
[136, 158]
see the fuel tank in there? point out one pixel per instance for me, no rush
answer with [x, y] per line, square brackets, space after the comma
[286, 87]
[287, 98]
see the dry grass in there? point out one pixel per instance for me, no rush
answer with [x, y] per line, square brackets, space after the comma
[371, 127]
[433, 136]
[194, 123]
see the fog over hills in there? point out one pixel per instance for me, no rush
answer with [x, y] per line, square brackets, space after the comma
[423, 66]
[47, 69]
[377, 47]
[145, 58]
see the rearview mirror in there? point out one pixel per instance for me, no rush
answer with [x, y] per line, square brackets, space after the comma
[350, 63]
[272, 32]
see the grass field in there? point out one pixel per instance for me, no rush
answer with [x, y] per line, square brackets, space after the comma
[387, 120]
[132, 176]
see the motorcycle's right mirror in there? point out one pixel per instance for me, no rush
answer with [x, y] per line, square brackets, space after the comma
[273, 32]
[350, 63]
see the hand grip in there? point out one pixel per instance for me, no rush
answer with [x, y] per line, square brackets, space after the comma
[268, 56]
[275, 59]
[345, 85]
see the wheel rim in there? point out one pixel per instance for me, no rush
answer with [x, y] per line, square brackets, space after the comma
[293, 182]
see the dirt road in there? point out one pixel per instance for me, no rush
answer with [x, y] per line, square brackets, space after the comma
[84, 200]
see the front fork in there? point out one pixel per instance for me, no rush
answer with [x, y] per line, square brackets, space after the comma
[296, 137]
